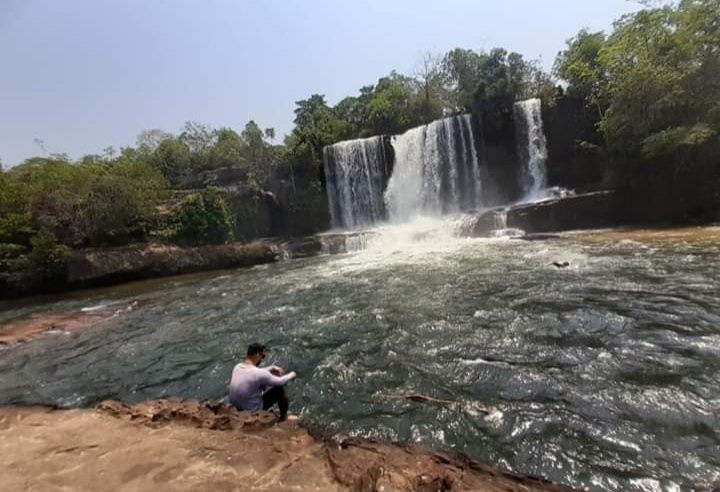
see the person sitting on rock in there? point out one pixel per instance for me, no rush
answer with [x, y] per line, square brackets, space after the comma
[254, 388]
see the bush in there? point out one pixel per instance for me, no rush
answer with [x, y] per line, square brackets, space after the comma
[205, 217]
[47, 259]
[44, 261]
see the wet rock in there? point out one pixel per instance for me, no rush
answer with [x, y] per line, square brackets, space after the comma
[586, 211]
[37, 325]
[537, 237]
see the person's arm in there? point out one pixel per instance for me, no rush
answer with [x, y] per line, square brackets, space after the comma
[274, 370]
[268, 379]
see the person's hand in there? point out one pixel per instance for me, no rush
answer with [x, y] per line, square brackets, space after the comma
[277, 371]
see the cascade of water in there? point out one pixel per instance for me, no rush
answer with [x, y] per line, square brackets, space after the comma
[452, 161]
[355, 173]
[500, 219]
[474, 161]
[501, 226]
[357, 242]
[436, 170]
[404, 195]
[528, 122]
[432, 202]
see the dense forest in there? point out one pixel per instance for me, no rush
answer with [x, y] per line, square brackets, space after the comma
[648, 93]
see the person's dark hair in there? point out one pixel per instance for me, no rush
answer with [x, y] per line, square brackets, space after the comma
[255, 348]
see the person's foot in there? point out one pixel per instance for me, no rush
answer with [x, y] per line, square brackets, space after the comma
[290, 417]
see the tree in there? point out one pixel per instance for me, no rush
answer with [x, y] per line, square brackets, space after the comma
[270, 134]
[259, 153]
[316, 126]
[393, 107]
[431, 80]
[149, 140]
[252, 135]
[462, 71]
[173, 159]
[662, 68]
[197, 137]
[120, 201]
[229, 150]
[205, 217]
[580, 66]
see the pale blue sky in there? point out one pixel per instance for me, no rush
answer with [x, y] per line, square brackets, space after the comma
[85, 74]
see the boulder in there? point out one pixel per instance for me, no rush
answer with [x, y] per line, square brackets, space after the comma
[586, 211]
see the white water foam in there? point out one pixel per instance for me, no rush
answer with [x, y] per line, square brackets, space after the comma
[528, 120]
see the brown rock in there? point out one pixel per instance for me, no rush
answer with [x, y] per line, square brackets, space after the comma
[37, 325]
[169, 445]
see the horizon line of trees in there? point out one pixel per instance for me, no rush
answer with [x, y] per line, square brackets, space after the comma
[651, 87]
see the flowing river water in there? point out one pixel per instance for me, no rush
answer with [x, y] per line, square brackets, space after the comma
[603, 375]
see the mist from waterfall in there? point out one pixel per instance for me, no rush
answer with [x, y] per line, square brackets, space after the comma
[532, 147]
[436, 171]
[355, 174]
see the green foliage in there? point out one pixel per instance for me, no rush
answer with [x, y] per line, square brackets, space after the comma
[580, 66]
[120, 201]
[149, 140]
[654, 79]
[47, 259]
[172, 158]
[676, 138]
[394, 105]
[308, 212]
[259, 153]
[495, 75]
[43, 260]
[90, 203]
[205, 217]
[229, 150]
[316, 125]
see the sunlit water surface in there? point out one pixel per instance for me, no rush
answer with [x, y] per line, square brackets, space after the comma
[604, 375]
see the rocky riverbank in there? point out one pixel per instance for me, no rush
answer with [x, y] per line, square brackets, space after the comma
[187, 445]
[108, 266]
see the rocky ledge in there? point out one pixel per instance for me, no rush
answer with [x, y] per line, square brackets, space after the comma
[200, 446]
[586, 211]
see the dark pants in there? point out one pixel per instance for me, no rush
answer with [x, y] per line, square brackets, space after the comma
[279, 396]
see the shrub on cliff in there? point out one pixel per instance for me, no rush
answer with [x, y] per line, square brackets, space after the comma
[205, 218]
[91, 203]
[23, 267]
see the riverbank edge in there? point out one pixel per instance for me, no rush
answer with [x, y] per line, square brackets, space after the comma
[100, 267]
[131, 441]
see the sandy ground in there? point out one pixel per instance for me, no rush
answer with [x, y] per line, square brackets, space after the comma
[168, 445]
[685, 235]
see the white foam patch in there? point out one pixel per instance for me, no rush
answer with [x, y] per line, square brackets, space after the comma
[93, 308]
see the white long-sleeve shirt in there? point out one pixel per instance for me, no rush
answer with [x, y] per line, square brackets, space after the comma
[248, 382]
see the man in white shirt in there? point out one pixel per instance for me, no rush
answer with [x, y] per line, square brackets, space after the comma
[254, 388]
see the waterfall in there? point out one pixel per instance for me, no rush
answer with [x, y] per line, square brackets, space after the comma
[356, 172]
[532, 148]
[501, 226]
[500, 219]
[436, 170]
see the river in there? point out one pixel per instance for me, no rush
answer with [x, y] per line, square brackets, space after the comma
[604, 374]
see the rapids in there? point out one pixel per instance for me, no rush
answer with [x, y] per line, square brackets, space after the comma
[604, 375]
